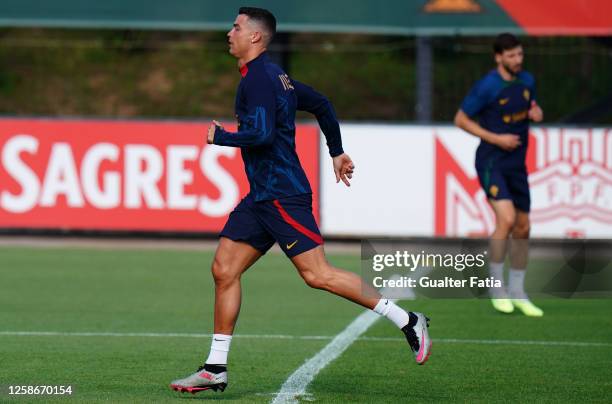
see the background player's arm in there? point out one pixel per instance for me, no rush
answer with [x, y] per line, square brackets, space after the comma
[481, 95]
[504, 141]
[317, 104]
[535, 112]
[258, 127]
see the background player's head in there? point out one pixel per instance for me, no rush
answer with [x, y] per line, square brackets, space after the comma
[508, 53]
[253, 30]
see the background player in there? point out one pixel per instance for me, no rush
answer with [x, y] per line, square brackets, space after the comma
[504, 101]
[278, 207]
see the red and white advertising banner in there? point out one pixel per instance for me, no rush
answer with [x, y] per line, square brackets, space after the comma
[124, 175]
[421, 181]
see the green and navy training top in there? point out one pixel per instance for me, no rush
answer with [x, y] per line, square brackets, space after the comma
[501, 107]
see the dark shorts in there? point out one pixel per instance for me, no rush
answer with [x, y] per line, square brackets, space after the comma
[510, 184]
[288, 221]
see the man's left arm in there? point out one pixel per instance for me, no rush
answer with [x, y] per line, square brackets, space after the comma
[259, 126]
[535, 112]
[317, 104]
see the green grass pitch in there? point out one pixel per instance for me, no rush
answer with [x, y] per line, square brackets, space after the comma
[69, 290]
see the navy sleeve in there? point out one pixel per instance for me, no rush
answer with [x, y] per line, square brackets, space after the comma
[532, 89]
[481, 94]
[317, 104]
[258, 127]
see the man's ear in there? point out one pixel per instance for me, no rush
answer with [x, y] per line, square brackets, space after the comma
[498, 58]
[256, 37]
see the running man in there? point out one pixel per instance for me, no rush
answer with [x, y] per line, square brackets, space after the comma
[278, 207]
[504, 101]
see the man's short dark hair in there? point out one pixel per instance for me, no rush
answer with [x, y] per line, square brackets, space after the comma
[261, 16]
[504, 42]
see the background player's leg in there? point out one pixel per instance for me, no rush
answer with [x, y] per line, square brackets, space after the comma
[519, 251]
[519, 254]
[232, 259]
[505, 216]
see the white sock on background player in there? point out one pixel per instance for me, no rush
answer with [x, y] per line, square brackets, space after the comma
[496, 270]
[392, 311]
[516, 283]
[219, 349]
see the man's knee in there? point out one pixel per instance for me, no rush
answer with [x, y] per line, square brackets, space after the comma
[521, 230]
[223, 273]
[505, 221]
[321, 278]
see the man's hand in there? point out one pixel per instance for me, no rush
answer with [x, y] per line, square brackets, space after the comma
[535, 112]
[507, 142]
[343, 168]
[211, 131]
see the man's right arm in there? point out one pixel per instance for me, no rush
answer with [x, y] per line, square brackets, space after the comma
[258, 127]
[505, 141]
[479, 96]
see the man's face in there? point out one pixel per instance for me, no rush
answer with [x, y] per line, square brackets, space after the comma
[240, 36]
[511, 60]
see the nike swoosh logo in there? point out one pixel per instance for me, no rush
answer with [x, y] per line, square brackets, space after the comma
[218, 339]
[504, 101]
[290, 246]
[206, 375]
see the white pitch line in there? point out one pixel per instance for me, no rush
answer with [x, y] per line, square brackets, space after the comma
[297, 337]
[153, 335]
[497, 342]
[295, 385]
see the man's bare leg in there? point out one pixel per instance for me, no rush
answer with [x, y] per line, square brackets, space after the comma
[232, 259]
[505, 217]
[519, 255]
[318, 273]
[519, 244]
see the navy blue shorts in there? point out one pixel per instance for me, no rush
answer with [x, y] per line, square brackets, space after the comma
[288, 221]
[507, 184]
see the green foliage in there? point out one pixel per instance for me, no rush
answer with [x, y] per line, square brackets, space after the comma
[156, 74]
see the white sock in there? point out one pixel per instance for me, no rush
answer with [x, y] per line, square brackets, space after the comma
[219, 349]
[496, 270]
[392, 311]
[516, 283]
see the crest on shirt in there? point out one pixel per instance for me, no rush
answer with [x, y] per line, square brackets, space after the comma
[526, 94]
[285, 82]
[504, 101]
[493, 190]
